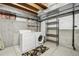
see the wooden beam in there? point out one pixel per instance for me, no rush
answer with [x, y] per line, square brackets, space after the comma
[24, 7]
[45, 4]
[41, 5]
[28, 5]
[20, 7]
[35, 5]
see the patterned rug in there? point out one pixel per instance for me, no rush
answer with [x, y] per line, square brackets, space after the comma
[36, 52]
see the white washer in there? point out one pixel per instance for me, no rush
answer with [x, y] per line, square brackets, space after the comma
[38, 42]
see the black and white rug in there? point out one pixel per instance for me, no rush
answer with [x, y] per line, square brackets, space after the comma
[36, 52]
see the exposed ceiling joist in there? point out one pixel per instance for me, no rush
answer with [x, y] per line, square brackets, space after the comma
[24, 7]
[29, 6]
[21, 7]
[45, 4]
[42, 5]
[35, 5]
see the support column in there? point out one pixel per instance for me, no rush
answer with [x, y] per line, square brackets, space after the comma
[73, 31]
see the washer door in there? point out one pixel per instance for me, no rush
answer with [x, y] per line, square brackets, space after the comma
[40, 38]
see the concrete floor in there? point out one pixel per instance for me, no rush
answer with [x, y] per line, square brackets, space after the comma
[52, 51]
[10, 51]
[59, 50]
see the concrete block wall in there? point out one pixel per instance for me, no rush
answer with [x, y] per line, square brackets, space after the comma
[9, 31]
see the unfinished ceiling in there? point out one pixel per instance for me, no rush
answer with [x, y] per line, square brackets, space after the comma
[30, 7]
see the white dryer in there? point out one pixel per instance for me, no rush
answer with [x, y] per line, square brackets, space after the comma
[27, 41]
